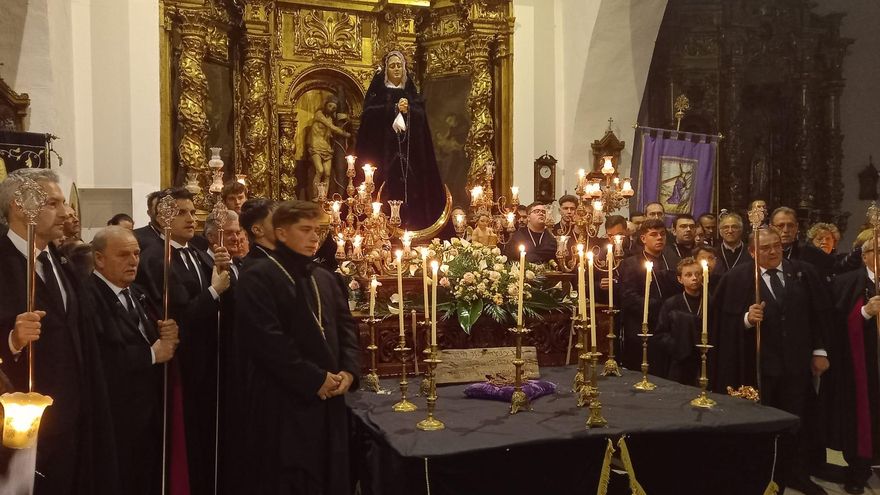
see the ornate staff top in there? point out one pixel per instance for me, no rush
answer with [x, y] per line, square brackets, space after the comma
[166, 210]
[756, 216]
[220, 214]
[31, 198]
[874, 215]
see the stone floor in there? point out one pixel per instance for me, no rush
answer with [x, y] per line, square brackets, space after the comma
[835, 457]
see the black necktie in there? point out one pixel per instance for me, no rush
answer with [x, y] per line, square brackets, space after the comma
[776, 285]
[131, 308]
[191, 262]
[50, 279]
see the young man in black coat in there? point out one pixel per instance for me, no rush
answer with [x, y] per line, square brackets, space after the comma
[539, 242]
[302, 345]
[794, 316]
[133, 354]
[75, 453]
[150, 234]
[256, 222]
[195, 287]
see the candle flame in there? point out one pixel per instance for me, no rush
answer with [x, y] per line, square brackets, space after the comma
[522, 248]
[649, 266]
[398, 254]
[590, 257]
[705, 264]
[435, 266]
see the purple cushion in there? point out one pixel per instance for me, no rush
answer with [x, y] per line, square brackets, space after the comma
[532, 388]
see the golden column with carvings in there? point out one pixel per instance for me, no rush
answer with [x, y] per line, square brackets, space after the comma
[287, 124]
[191, 114]
[399, 33]
[255, 104]
[479, 101]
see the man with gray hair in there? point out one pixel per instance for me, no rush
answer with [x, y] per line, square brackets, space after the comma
[76, 453]
[133, 345]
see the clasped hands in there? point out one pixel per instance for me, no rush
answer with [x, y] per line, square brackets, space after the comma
[335, 384]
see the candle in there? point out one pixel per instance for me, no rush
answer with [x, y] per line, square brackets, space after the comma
[434, 267]
[336, 206]
[356, 246]
[582, 304]
[607, 167]
[610, 276]
[476, 193]
[592, 301]
[582, 177]
[648, 270]
[407, 241]
[424, 252]
[368, 173]
[340, 246]
[373, 284]
[597, 205]
[399, 255]
[514, 193]
[350, 159]
[704, 337]
[511, 219]
[522, 277]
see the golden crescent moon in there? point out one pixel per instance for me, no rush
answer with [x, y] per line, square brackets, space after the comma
[432, 230]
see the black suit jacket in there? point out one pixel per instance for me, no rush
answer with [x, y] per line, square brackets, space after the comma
[133, 382]
[76, 452]
[147, 236]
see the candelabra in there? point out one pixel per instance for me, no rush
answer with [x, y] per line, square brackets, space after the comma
[371, 380]
[502, 214]
[595, 419]
[645, 385]
[519, 400]
[431, 423]
[404, 405]
[703, 399]
[611, 367]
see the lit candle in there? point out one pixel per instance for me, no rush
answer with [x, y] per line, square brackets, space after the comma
[582, 289]
[582, 177]
[340, 246]
[511, 219]
[377, 209]
[607, 167]
[373, 284]
[459, 220]
[399, 255]
[362, 192]
[476, 193]
[434, 267]
[424, 252]
[368, 173]
[356, 246]
[336, 206]
[592, 300]
[514, 195]
[627, 189]
[648, 270]
[350, 159]
[610, 276]
[522, 277]
[407, 241]
[597, 205]
[704, 337]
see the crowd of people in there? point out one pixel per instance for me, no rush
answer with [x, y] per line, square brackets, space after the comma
[258, 345]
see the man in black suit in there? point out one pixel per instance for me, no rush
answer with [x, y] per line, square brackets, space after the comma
[793, 316]
[256, 222]
[301, 342]
[194, 298]
[75, 453]
[132, 352]
[150, 234]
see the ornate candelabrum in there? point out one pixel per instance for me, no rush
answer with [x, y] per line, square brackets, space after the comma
[595, 419]
[501, 212]
[609, 264]
[404, 405]
[371, 380]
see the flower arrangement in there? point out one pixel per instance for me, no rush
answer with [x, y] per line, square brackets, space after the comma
[478, 280]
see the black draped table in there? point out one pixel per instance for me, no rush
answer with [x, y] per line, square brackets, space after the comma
[674, 447]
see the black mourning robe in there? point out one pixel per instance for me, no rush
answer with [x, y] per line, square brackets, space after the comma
[290, 431]
[675, 252]
[855, 407]
[194, 309]
[134, 385]
[76, 453]
[539, 249]
[405, 161]
[632, 299]
[730, 259]
[678, 332]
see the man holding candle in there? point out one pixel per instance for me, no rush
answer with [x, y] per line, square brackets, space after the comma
[539, 242]
[632, 287]
[793, 320]
[301, 343]
[678, 325]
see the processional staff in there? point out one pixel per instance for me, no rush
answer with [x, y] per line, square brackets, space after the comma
[220, 214]
[166, 211]
[874, 219]
[756, 218]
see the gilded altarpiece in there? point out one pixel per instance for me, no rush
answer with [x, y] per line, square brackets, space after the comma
[251, 74]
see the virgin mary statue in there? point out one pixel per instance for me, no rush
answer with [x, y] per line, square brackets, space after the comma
[394, 137]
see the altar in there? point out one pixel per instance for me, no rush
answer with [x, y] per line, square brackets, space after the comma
[673, 447]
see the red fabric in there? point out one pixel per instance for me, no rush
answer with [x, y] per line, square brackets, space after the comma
[179, 467]
[855, 327]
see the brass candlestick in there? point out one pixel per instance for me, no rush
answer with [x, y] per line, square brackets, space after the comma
[611, 367]
[519, 400]
[595, 420]
[425, 384]
[579, 346]
[645, 385]
[371, 379]
[703, 400]
[431, 423]
[403, 405]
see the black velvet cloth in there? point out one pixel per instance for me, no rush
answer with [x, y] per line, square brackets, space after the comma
[675, 448]
[406, 162]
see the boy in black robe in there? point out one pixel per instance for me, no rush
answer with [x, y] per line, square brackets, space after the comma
[301, 344]
[679, 324]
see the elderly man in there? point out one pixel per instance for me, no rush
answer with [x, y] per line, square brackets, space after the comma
[133, 347]
[539, 242]
[733, 250]
[75, 454]
[793, 317]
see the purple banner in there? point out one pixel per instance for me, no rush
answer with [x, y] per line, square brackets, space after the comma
[677, 172]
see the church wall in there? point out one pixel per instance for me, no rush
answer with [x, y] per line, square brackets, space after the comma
[860, 102]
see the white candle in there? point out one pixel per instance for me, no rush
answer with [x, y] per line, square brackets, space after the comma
[424, 252]
[407, 241]
[648, 269]
[377, 209]
[582, 304]
[434, 267]
[476, 193]
[350, 159]
[704, 337]
[373, 284]
[368, 173]
[592, 300]
[340, 246]
[522, 277]
[399, 255]
[514, 193]
[611, 276]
